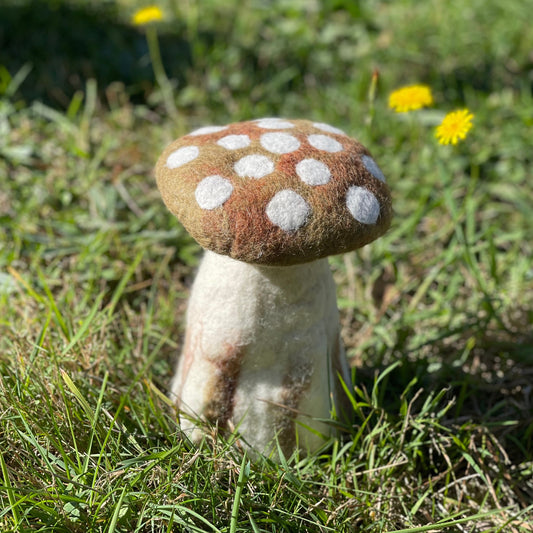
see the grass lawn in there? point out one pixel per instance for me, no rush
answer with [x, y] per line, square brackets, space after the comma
[437, 315]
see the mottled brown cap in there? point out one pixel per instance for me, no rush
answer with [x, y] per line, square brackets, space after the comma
[275, 191]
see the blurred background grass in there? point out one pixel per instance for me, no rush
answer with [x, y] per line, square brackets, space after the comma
[276, 56]
[94, 272]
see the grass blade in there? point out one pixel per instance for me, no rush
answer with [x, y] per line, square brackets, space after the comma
[244, 474]
[9, 489]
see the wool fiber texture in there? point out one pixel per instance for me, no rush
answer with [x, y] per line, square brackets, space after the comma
[262, 353]
[275, 191]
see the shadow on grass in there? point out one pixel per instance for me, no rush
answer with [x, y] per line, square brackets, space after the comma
[491, 387]
[66, 45]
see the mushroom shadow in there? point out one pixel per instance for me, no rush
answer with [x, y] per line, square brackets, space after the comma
[492, 388]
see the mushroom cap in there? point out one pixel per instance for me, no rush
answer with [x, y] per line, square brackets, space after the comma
[275, 191]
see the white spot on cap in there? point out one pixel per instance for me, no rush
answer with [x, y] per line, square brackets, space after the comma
[279, 143]
[328, 128]
[323, 142]
[182, 155]
[254, 166]
[288, 210]
[212, 192]
[362, 204]
[233, 142]
[372, 167]
[208, 129]
[313, 172]
[274, 124]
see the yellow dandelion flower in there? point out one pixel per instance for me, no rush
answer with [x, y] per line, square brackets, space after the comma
[410, 98]
[146, 15]
[454, 126]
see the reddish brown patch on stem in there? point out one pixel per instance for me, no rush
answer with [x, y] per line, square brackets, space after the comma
[191, 347]
[295, 383]
[220, 395]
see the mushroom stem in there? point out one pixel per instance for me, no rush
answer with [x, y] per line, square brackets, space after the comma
[262, 353]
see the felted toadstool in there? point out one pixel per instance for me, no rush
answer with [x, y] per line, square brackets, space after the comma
[269, 200]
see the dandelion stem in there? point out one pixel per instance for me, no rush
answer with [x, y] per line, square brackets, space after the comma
[159, 72]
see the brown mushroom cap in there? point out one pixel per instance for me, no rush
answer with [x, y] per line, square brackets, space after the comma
[275, 191]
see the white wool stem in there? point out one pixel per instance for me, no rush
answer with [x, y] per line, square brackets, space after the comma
[262, 352]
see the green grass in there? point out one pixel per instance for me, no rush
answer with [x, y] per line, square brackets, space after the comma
[94, 273]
